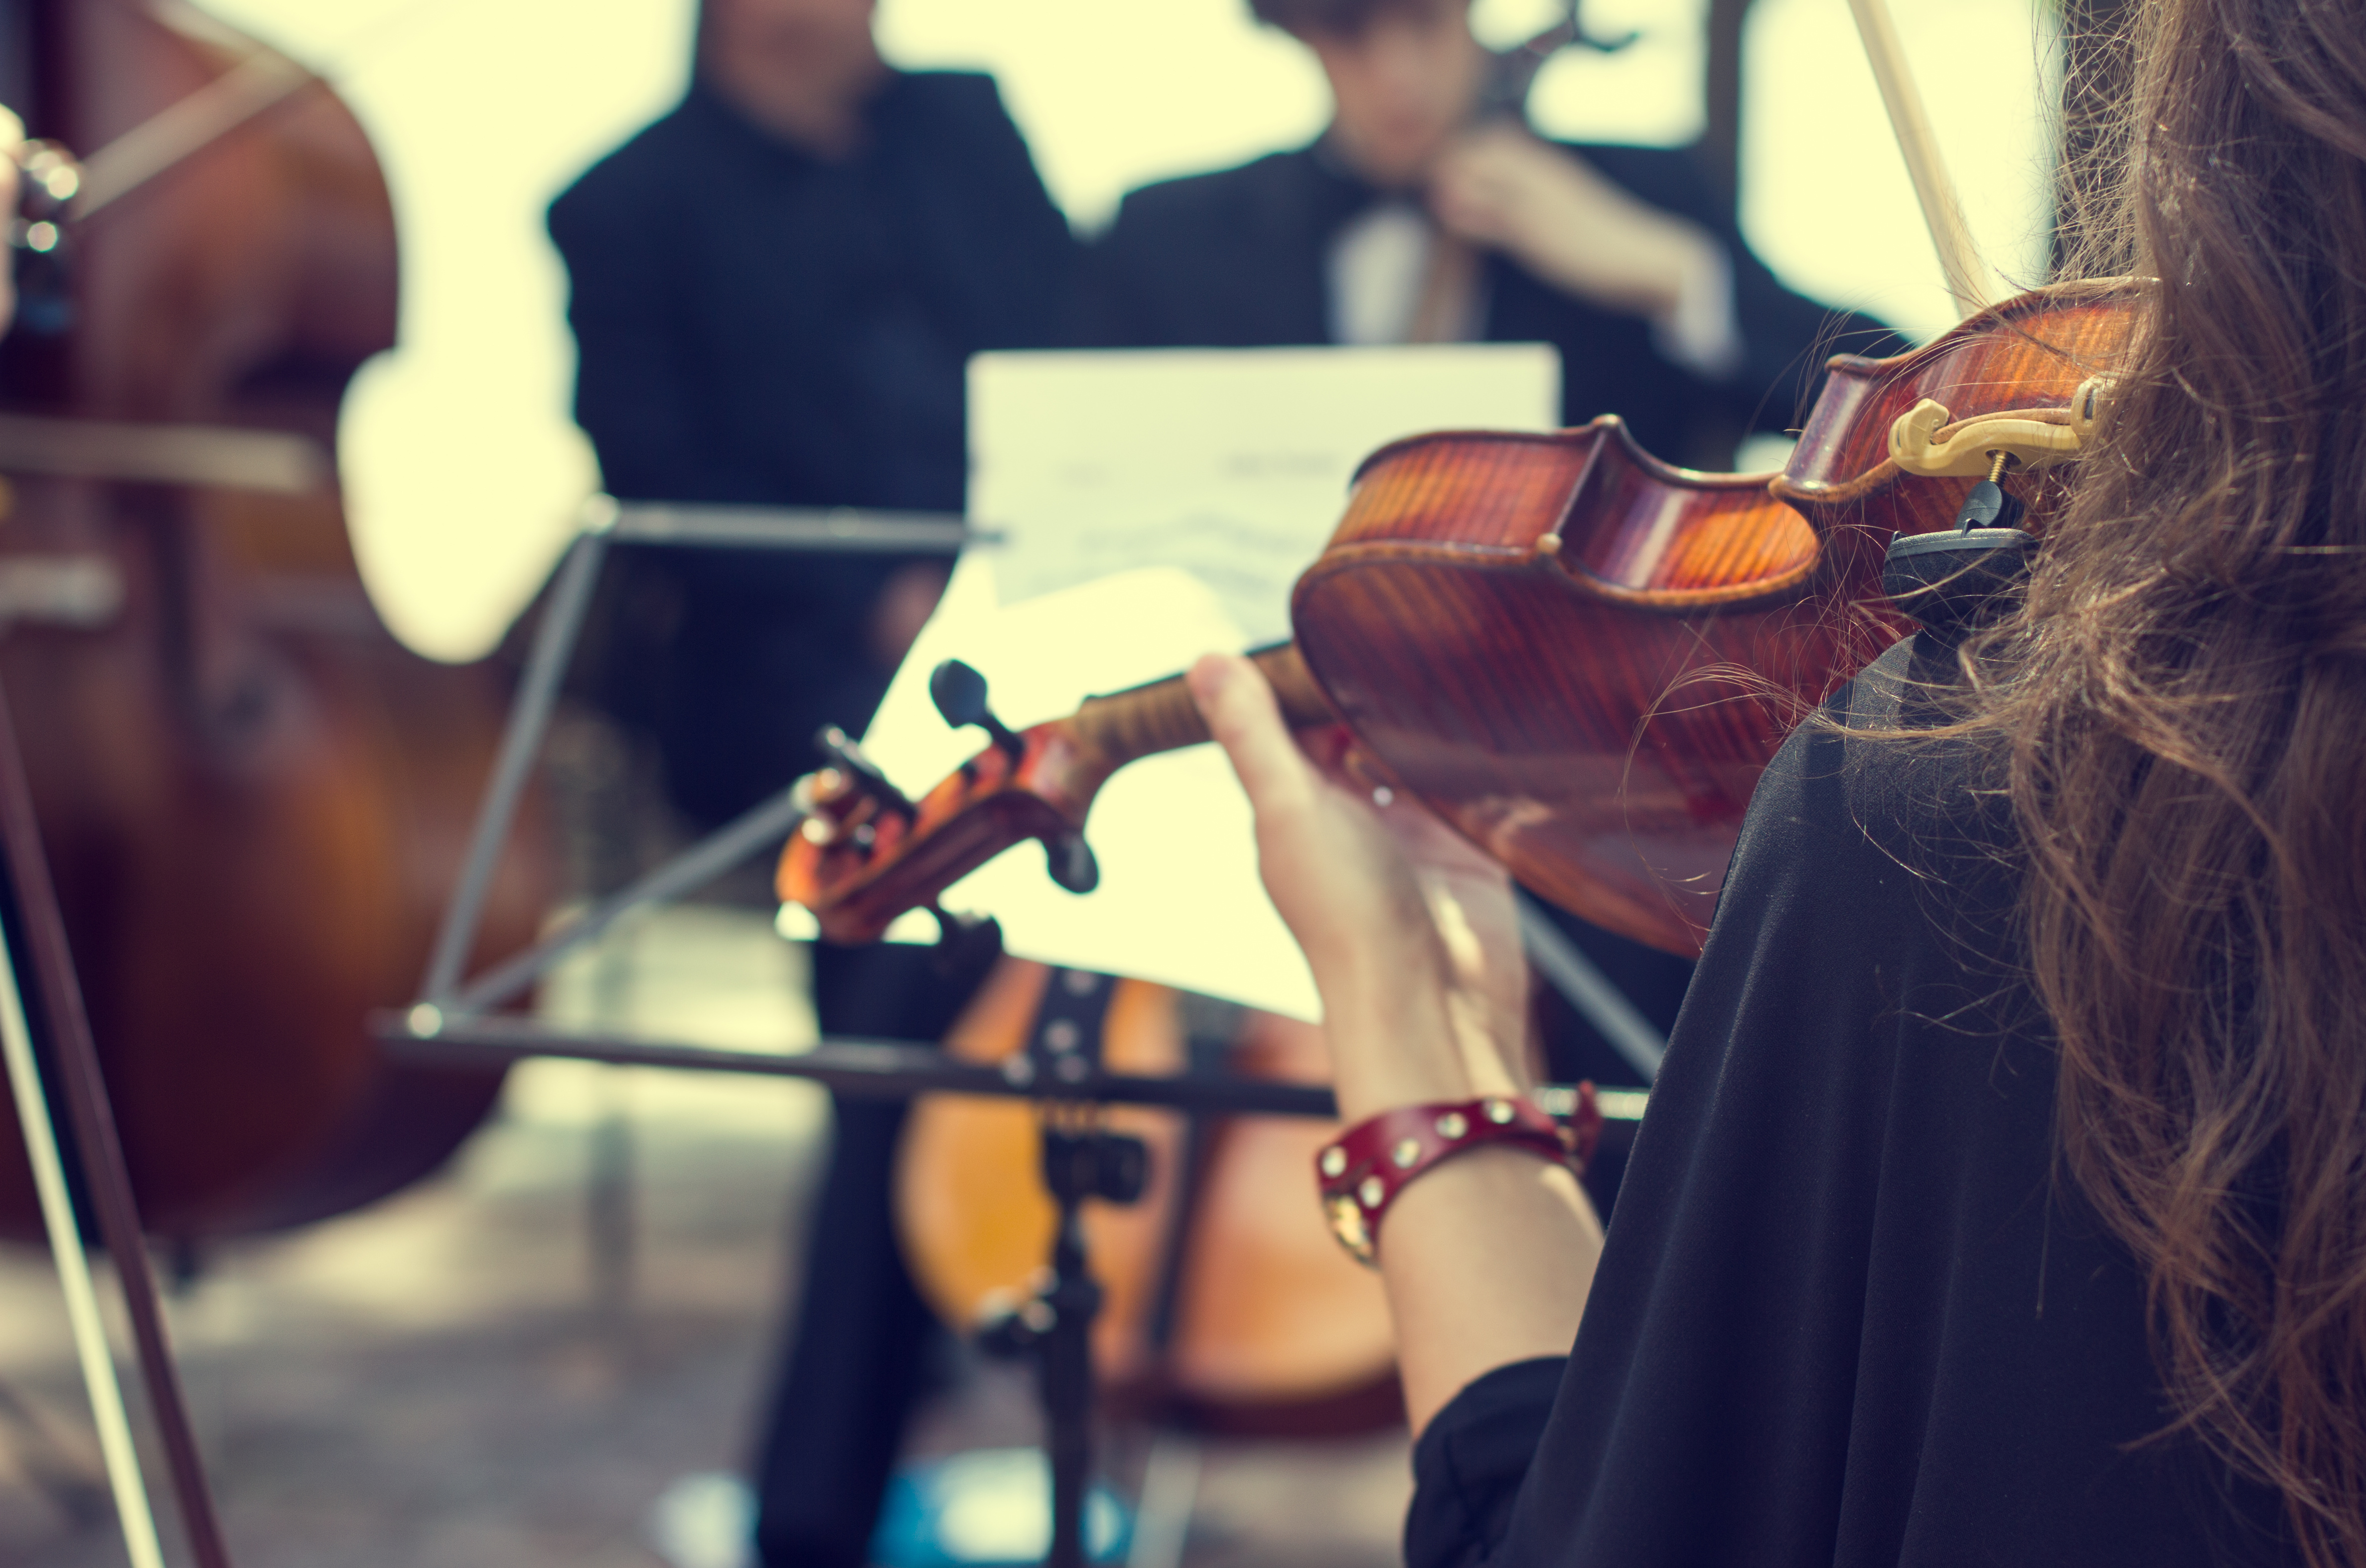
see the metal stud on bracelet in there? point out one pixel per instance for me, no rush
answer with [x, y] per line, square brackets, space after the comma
[1361, 1173]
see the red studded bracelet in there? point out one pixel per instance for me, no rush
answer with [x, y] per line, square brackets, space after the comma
[1372, 1162]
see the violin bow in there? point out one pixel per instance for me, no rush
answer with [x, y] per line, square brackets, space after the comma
[106, 1408]
[1969, 279]
[33, 953]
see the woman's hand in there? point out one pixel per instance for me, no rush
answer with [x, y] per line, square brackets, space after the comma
[1411, 932]
[1413, 940]
[1499, 186]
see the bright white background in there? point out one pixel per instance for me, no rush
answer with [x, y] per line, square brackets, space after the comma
[463, 472]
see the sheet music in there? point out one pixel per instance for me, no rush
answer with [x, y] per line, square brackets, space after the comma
[1231, 464]
[1160, 505]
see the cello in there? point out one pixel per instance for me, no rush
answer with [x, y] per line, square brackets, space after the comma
[251, 797]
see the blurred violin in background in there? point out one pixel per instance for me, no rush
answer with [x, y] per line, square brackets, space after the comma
[251, 797]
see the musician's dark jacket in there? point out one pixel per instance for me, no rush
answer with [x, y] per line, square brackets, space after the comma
[760, 326]
[1237, 259]
[1850, 1311]
[757, 326]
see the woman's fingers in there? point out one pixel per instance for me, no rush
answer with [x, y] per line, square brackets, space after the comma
[1246, 722]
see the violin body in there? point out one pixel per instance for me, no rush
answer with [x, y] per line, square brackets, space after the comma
[1608, 650]
[254, 799]
[1580, 657]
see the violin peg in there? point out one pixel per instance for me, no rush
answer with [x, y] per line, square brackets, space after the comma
[856, 775]
[1072, 863]
[959, 693]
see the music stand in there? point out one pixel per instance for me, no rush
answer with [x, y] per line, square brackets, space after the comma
[454, 1018]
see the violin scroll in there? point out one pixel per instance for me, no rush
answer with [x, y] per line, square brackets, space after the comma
[865, 855]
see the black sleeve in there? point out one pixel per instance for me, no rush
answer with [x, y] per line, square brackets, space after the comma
[638, 392]
[1469, 1464]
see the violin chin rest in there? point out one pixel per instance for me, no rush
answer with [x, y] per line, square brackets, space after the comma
[1957, 578]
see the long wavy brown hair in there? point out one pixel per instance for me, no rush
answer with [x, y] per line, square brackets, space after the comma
[2180, 705]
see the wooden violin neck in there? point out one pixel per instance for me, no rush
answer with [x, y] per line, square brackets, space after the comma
[1144, 720]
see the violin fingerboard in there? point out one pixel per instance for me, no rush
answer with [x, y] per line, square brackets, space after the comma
[1303, 705]
[1161, 716]
[1142, 722]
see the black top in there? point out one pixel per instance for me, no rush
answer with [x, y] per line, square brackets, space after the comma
[1849, 1313]
[1237, 259]
[761, 326]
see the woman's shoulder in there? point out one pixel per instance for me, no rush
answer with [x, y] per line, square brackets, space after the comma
[1867, 821]
[1878, 760]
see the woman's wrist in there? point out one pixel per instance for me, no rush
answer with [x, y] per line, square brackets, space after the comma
[1385, 1056]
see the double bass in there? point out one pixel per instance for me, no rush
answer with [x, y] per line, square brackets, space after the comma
[251, 797]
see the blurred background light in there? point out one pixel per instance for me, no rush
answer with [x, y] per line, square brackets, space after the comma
[464, 472]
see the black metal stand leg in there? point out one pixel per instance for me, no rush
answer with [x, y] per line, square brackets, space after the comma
[1066, 1372]
[1056, 1328]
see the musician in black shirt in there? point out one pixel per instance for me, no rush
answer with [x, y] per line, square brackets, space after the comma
[776, 289]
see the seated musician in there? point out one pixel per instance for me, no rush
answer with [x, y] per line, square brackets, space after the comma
[776, 288]
[1417, 217]
[1998, 1203]
[1412, 218]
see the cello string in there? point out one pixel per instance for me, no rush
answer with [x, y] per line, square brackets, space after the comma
[106, 1407]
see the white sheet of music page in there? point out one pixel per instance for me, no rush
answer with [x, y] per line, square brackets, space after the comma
[1160, 506]
[1231, 464]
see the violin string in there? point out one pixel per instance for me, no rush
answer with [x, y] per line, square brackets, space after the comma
[123, 1473]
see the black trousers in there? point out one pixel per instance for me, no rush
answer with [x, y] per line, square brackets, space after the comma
[851, 1355]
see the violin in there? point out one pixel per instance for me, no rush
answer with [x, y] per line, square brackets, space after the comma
[251, 797]
[1580, 657]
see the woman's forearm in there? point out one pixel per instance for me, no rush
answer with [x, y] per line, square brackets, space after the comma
[1488, 1256]
[1487, 1260]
